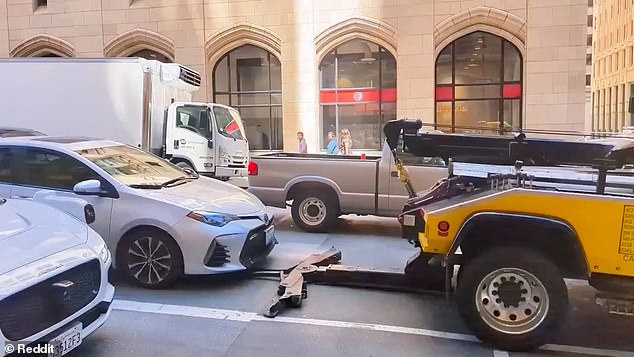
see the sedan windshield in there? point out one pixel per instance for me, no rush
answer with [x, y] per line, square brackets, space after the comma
[133, 167]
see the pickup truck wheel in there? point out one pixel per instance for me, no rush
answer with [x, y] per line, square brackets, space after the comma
[150, 259]
[512, 298]
[314, 211]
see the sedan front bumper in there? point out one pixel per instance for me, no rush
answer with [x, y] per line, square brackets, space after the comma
[237, 246]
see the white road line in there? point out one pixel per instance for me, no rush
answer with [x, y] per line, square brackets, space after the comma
[243, 316]
[497, 353]
[587, 350]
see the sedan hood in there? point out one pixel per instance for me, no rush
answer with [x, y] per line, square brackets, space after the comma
[30, 231]
[210, 195]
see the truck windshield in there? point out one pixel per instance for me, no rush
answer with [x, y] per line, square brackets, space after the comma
[131, 166]
[229, 122]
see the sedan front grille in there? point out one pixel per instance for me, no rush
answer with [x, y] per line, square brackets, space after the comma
[255, 246]
[47, 303]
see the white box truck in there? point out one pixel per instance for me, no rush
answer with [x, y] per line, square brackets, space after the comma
[135, 101]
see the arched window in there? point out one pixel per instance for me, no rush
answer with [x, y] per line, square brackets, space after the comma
[479, 85]
[357, 92]
[151, 55]
[249, 79]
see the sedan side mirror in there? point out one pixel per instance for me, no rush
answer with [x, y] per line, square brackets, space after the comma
[88, 188]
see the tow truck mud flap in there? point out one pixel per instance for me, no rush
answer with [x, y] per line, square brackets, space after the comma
[323, 269]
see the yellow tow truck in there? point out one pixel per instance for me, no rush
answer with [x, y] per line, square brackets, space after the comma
[538, 212]
[514, 217]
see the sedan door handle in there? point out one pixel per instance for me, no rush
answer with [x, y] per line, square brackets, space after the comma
[18, 196]
[394, 173]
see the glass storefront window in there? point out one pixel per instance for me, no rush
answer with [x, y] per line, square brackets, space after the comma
[479, 85]
[249, 79]
[358, 92]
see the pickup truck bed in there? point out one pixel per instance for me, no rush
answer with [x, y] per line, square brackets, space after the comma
[323, 187]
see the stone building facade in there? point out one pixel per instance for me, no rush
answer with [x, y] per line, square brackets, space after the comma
[613, 65]
[328, 65]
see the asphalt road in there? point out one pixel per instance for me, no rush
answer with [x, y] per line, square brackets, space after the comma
[222, 316]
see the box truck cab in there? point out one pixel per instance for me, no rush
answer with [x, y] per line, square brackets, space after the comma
[143, 103]
[206, 137]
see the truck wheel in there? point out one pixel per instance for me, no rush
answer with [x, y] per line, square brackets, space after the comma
[314, 211]
[512, 298]
[150, 258]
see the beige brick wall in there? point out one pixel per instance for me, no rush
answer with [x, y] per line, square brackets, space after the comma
[553, 32]
[555, 65]
[613, 65]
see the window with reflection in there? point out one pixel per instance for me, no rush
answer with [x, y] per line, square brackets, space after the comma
[151, 55]
[479, 85]
[249, 79]
[357, 92]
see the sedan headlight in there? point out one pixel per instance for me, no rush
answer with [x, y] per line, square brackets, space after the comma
[212, 218]
[104, 253]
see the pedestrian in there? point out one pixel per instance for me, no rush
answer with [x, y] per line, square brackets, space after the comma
[303, 148]
[333, 145]
[345, 142]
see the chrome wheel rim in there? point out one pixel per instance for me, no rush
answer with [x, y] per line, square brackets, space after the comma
[149, 260]
[512, 301]
[312, 211]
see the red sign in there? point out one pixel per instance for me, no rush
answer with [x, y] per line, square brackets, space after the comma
[444, 93]
[357, 96]
[512, 91]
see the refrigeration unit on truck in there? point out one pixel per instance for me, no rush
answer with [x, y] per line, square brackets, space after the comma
[143, 103]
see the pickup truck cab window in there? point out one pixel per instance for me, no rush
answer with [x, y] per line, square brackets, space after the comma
[409, 159]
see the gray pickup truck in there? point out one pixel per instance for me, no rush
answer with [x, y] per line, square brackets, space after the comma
[323, 187]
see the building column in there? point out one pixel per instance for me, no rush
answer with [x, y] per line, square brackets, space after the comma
[620, 112]
[629, 115]
[299, 78]
[601, 119]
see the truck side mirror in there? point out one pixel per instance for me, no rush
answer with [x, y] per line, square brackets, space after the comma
[210, 144]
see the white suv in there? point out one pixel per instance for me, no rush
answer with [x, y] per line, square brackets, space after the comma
[54, 288]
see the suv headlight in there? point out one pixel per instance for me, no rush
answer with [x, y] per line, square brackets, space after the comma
[212, 218]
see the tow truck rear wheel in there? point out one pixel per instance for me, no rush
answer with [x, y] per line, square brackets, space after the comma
[512, 298]
[314, 211]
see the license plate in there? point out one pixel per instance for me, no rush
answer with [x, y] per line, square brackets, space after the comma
[409, 220]
[270, 234]
[66, 342]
